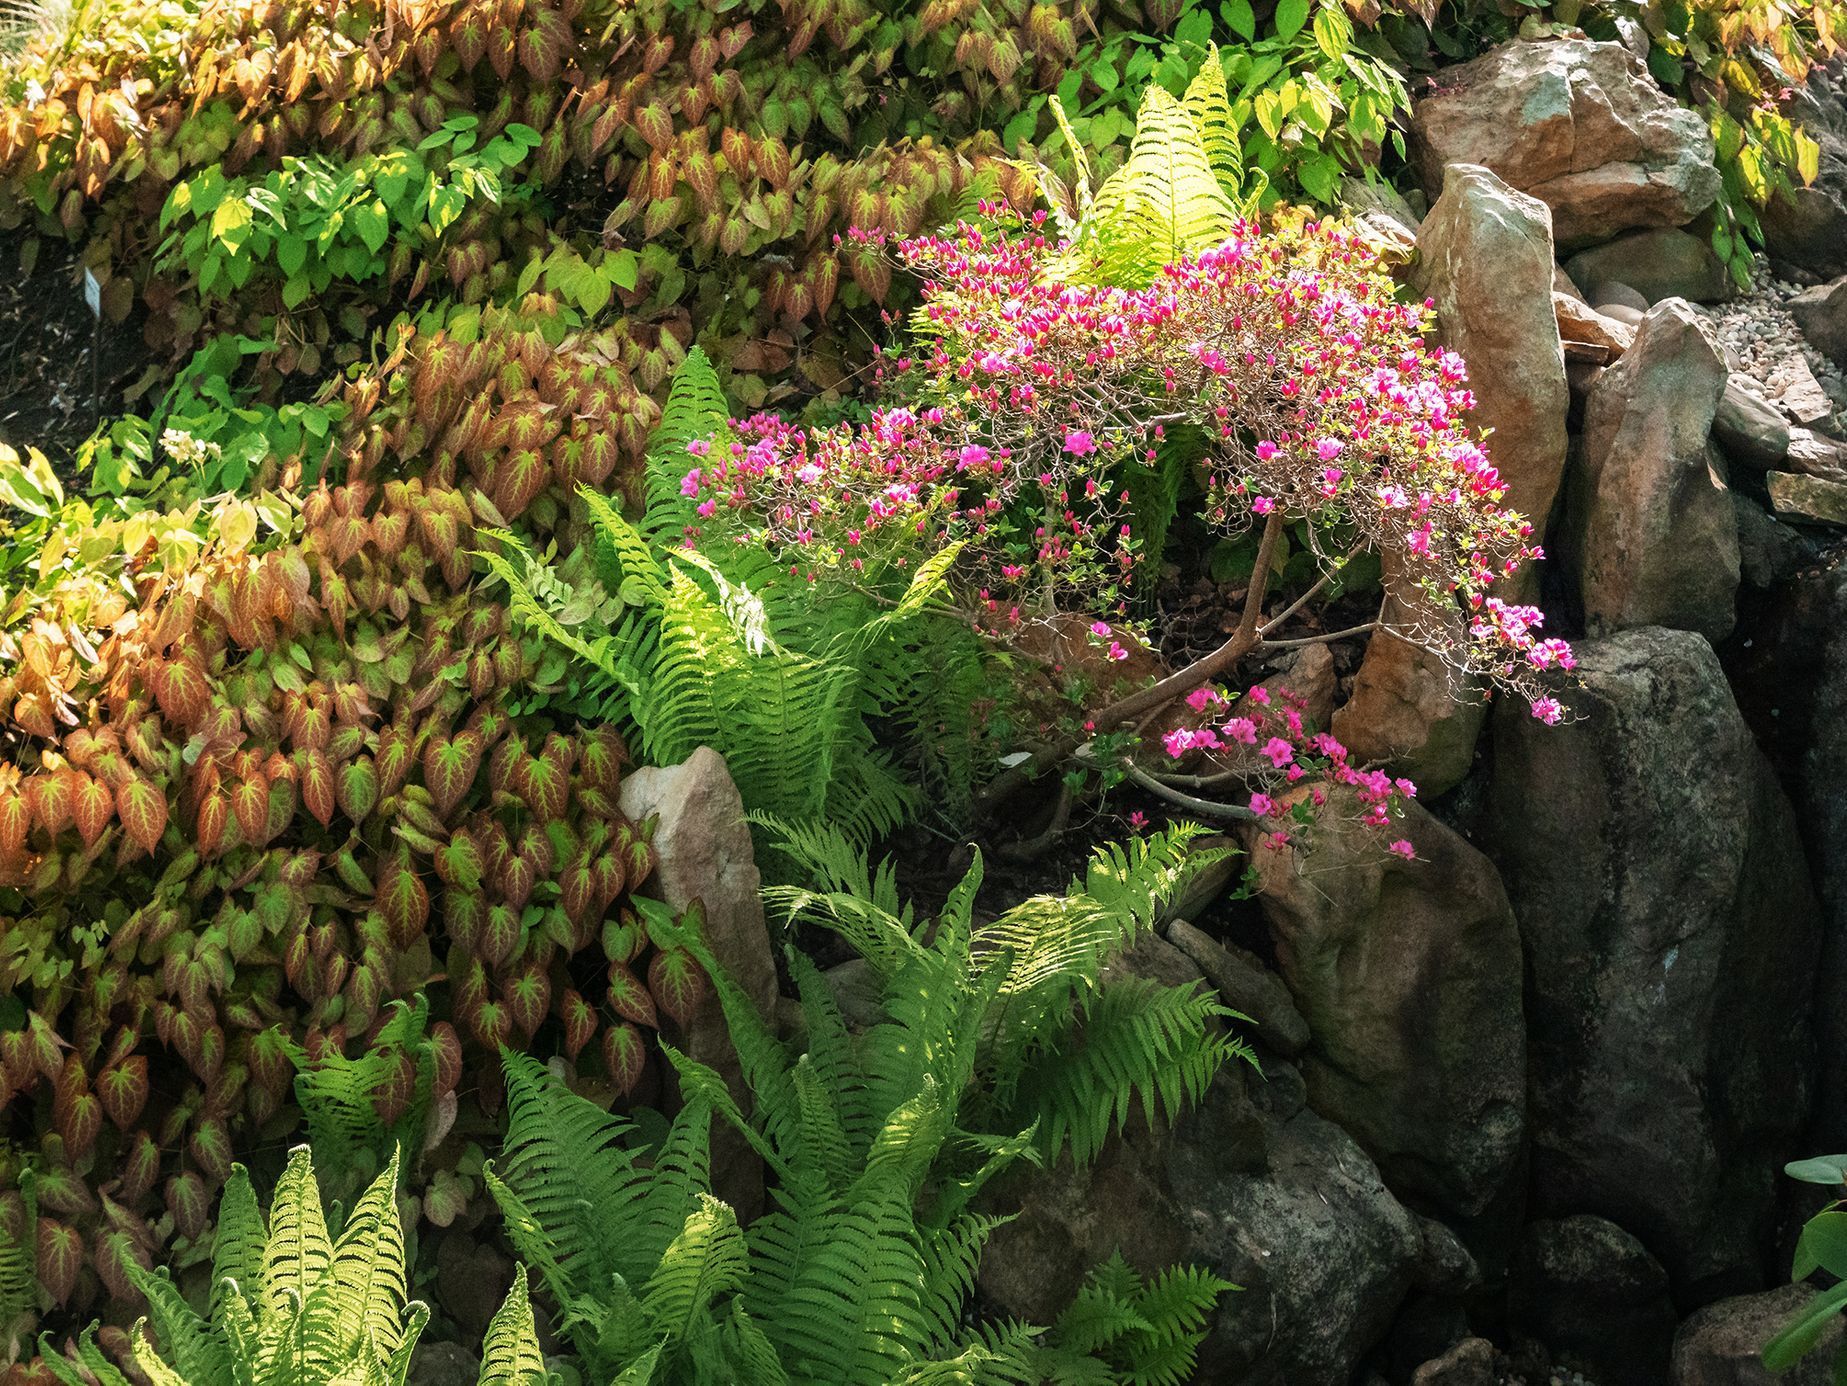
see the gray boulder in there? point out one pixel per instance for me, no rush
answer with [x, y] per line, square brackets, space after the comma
[1485, 261]
[1821, 313]
[704, 852]
[1650, 532]
[1659, 263]
[1722, 1344]
[1409, 974]
[1671, 942]
[1749, 429]
[1592, 1295]
[1581, 126]
[1257, 1187]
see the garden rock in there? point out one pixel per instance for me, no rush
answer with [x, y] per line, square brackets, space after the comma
[1412, 713]
[1247, 986]
[1485, 261]
[1813, 499]
[1748, 428]
[1581, 326]
[1579, 125]
[1813, 454]
[1769, 551]
[1409, 975]
[1721, 1345]
[1256, 1187]
[1821, 312]
[1794, 678]
[1671, 938]
[703, 852]
[1649, 529]
[442, 1364]
[1469, 1363]
[1659, 263]
[1590, 1292]
[1807, 226]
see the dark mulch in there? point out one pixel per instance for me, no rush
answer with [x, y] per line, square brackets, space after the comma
[62, 370]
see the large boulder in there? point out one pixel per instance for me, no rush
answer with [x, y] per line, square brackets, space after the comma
[1409, 975]
[1484, 258]
[1723, 1344]
[1671, 941]
[1579, 125]
[1594, 1298]
[1794, 679]
[1253, 1185]
[1821, 313]
[1485, 261]
[1806, 226]
[1660, 263]
[1650, 532]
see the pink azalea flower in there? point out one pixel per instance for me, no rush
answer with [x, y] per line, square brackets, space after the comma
[1078, 442]
[1404, 849]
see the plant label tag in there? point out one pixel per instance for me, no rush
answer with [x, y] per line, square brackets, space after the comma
[93, 292]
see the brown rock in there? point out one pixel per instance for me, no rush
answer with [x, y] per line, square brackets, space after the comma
[1659, 263]
[1650, 530]
[1412, 713]
[703, 850]
[1469, 1363]
[1580, 323]
[1485, 260]
[1749, 428]
[1722, 1344]
[1821, 313]
[1579, 125]
[1408, 973]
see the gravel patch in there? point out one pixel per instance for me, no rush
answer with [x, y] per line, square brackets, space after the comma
[1761, 341]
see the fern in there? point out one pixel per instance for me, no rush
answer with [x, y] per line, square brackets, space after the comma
[18, 1264]
[722, 650]
[292, 1303]
[340, 1096]
[1164, 203]
[862, 1270]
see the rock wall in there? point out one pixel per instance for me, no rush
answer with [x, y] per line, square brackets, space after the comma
[1539, 1083]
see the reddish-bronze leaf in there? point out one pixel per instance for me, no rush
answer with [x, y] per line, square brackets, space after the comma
[625, 1054]
[677, 983]
[60, 1257]
[629, 998]
[403, 899]
[143, 811]
[123, 1090]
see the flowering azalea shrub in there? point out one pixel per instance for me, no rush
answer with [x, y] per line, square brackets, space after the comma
[1278, 364]
[1026, 398]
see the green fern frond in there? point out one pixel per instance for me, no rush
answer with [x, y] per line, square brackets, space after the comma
[705, 1262]
[299, 1251]
[695, 411]
[92, 1367]
[237, 1244]
[1164, 203]
[19, 1267]
[1208, 103]
[199, 1357]
[1140, 1044]
[510, 1353]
